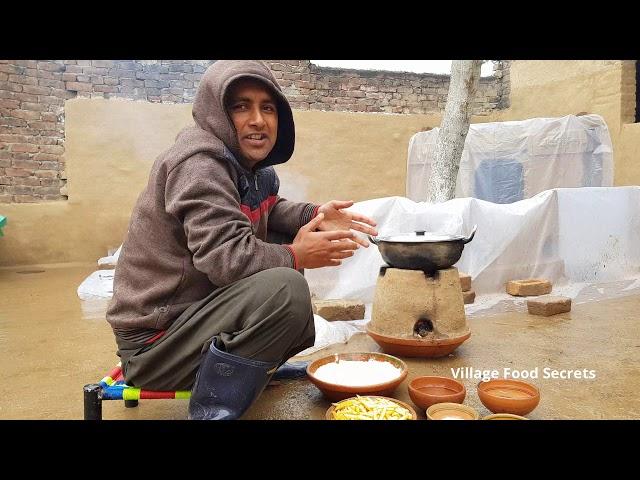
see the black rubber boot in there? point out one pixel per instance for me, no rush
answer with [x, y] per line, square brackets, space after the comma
[291, 370]
[226, 385]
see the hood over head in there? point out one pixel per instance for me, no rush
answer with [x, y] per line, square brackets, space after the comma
[210, 114]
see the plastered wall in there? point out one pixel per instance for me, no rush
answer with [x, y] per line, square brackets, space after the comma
[111, 144]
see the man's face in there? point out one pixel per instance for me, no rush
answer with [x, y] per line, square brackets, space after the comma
[252, 109]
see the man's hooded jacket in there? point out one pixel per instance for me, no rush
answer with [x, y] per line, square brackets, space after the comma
[201, 222]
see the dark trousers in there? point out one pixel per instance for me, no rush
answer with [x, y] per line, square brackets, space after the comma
[266, 316]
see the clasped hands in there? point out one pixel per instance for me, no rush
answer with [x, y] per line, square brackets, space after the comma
[329, 237]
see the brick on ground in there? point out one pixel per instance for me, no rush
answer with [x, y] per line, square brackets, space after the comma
[529, 287]
[469, 296]
[465, 281]
[339, 309]
[548, 305]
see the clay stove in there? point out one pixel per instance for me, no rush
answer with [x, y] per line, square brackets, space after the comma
[417, 313]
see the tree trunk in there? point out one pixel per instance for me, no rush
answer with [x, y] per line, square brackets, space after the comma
[453, 130]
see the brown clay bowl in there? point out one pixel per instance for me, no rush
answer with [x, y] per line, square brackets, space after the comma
[509, 396]
[335, 391]
[414, 415]
[427, 391]
[504, 416]
[451, 411]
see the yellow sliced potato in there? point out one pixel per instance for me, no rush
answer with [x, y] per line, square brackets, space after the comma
[369, 408]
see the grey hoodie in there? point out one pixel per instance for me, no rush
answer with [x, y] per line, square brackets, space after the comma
[201, 222]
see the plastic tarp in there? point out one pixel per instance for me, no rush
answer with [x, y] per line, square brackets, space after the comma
[110, 259]
[98, 284]
[329, 333]
[505, 162]
[563, 235]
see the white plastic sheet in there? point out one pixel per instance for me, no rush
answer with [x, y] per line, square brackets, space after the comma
[564, 235]
[98, 284]
[110, 260]
[329, 333]
[505, 162]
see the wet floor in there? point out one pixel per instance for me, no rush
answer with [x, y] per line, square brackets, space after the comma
[52, 344]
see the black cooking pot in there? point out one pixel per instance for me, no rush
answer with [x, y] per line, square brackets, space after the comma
[422, 250]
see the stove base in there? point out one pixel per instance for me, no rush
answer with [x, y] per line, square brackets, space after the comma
[408, 347]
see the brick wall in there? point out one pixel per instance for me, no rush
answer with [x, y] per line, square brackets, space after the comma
[310, 87]
[32, 96]
[502, 75]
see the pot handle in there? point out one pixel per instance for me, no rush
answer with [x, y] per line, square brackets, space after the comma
[373, 240]
[470, 237]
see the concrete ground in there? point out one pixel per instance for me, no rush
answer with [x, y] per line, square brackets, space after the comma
[51, 344]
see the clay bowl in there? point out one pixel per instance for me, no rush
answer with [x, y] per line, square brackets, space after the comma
[509, 396]
[414, 415]
[451, 411]
[409, 347]
[335, 391]
[427, 391]
[504, 416]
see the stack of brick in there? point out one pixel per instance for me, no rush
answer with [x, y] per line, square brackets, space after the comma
[468, 294]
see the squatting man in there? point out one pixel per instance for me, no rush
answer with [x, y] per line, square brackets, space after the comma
[208, 294]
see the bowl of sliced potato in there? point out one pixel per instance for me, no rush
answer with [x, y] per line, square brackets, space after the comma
[370, 407]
